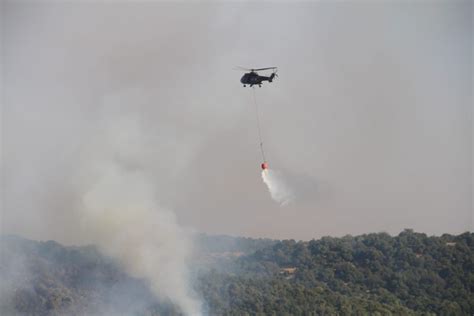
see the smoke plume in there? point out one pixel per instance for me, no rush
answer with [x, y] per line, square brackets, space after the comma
[122, 215]
[277, 186]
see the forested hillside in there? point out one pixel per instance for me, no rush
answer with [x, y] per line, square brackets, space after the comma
[46, 278]
[370, 274]
[376, 273]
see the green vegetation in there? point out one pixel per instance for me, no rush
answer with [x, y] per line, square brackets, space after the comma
[46, 278]
[376, 274]
[370, 274]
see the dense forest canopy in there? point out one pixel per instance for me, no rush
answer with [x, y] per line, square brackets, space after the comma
[378, 274]
[375, 273]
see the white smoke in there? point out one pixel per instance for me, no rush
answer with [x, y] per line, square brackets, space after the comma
[121, 214]
[277, 186]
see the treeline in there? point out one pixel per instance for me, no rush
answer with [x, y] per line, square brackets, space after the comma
[47, 278]
[223, 243]
[370, 274]
[373, 274]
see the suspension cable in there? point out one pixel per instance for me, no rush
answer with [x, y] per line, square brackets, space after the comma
[258, 124]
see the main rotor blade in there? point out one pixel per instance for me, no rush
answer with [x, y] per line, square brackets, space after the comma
[265, 68]
[242, 68]
[252, 69]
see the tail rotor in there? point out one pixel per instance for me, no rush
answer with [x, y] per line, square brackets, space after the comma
[273, 75]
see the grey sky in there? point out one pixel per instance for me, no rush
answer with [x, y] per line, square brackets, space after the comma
[371, 116]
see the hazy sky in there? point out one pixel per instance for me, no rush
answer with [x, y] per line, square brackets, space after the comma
[370, 119]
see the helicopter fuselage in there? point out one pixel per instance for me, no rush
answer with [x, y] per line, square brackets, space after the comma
[253, 78]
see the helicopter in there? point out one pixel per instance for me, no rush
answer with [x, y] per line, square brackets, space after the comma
[253, 78]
